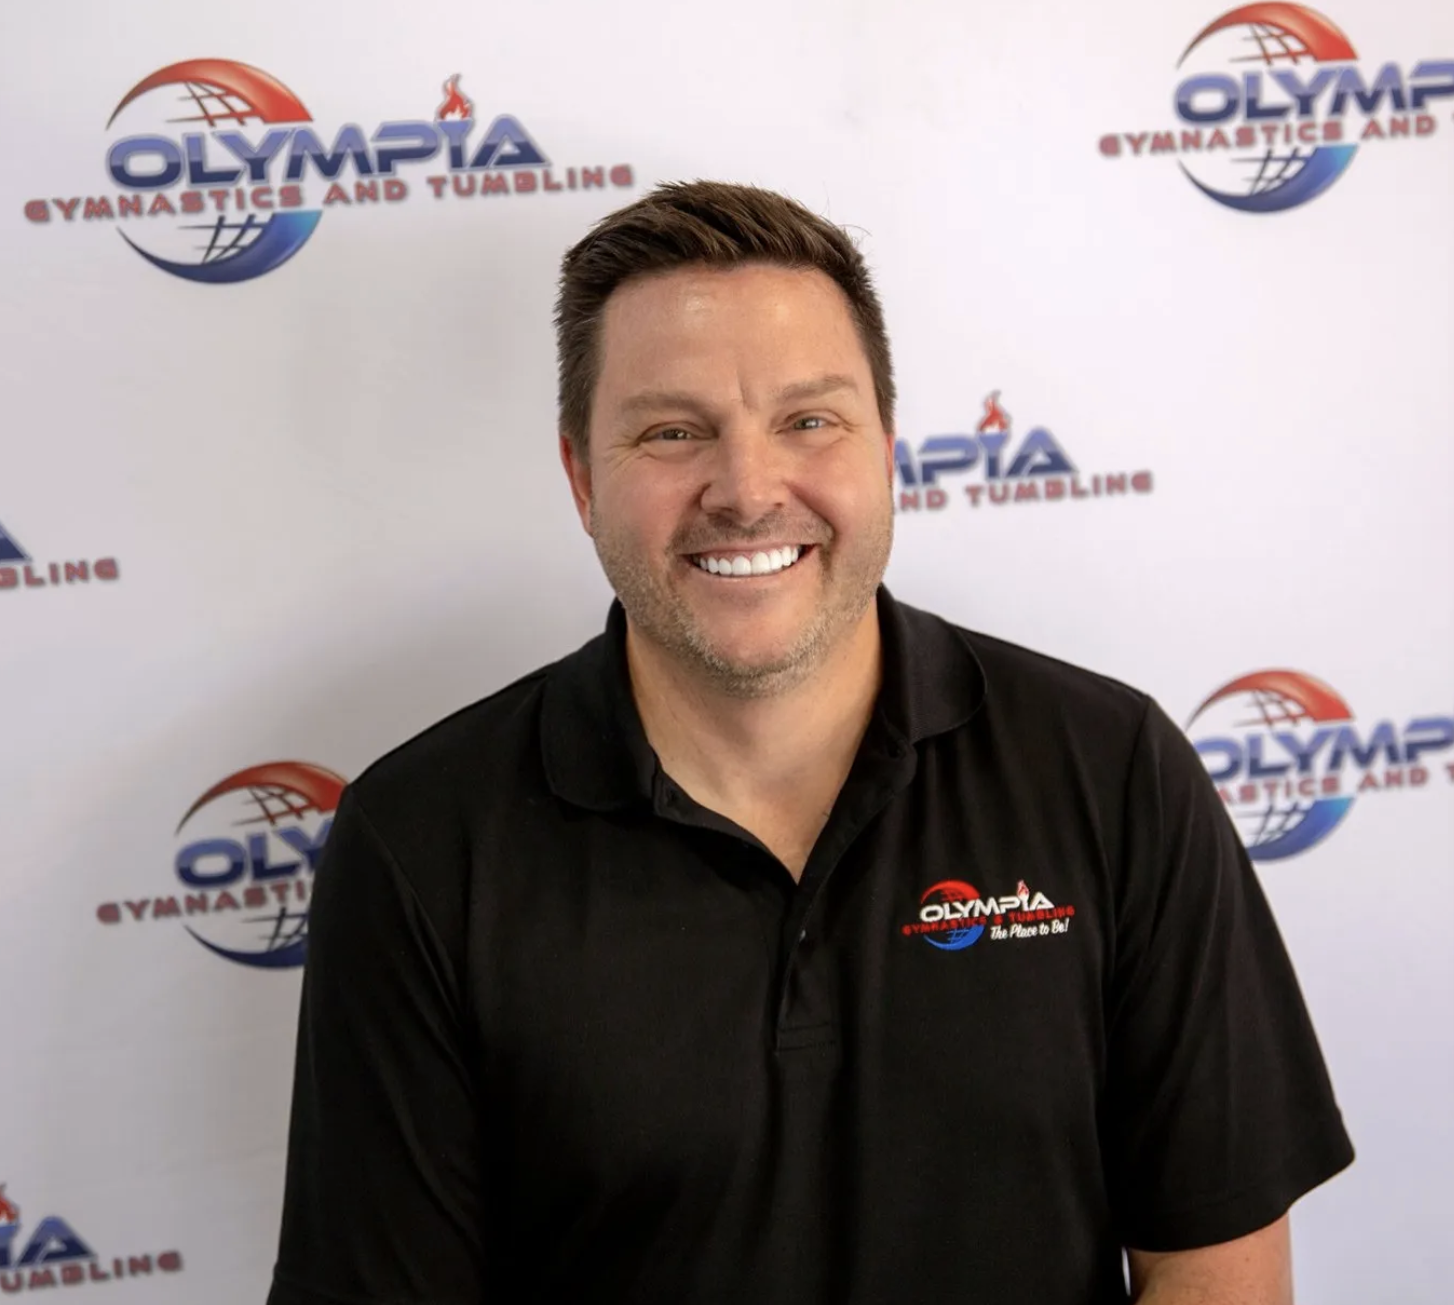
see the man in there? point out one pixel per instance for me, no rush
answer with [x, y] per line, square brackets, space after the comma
[785, 944]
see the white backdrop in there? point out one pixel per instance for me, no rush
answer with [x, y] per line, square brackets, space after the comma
[333, 503]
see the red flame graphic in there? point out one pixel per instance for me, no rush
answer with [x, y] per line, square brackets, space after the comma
[456, 103]
[995, 418]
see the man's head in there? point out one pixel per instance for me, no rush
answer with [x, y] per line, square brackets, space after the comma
[726, 392]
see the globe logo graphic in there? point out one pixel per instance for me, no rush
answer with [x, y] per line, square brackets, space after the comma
[1280, 810]
[246, 869]
[1287, 169]
[950, 890]
[216, 245]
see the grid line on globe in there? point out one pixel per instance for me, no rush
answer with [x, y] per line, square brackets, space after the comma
[1292, 50]
[1264, 181]
[211, 252]
[199, 93]
[276, 802]
[277, 939]
[233, 109]
[1274, 46]
[1273, 821]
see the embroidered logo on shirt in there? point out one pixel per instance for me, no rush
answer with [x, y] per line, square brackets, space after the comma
[953, 916]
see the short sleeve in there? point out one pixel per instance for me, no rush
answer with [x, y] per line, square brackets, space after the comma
[381, 1201]
[1219, 1110]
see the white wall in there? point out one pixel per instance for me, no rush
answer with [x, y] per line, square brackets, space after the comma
[333, 500]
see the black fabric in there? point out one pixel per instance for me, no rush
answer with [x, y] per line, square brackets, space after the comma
[568, 1036]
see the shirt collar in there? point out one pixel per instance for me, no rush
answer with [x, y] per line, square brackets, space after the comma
[595, 750]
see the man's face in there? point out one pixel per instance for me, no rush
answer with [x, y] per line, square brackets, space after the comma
[734, 427]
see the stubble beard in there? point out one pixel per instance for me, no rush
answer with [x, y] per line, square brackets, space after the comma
[661, 615]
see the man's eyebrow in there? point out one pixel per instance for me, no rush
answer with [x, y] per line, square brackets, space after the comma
[817, 388]
[654, 400]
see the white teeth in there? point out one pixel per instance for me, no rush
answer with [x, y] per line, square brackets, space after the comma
[767, 563]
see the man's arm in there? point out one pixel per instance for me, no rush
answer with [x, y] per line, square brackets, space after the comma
[1251, 1270]
[384, 1195]
[1219, 1110]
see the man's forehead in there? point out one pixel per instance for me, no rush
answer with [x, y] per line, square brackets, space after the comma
[791, 326]
[696, 297]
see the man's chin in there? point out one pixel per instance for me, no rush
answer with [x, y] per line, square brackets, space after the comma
[751, 669]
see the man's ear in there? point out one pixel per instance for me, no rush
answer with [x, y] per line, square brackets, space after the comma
[889, 456]
[578, 472]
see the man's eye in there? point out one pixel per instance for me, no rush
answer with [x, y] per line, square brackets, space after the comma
[670, 434]
[802, 423]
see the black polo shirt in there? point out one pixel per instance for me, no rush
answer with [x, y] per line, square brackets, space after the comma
[569, 1036]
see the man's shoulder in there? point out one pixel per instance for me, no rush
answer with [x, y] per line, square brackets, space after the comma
[434, 801]
[1023, 684]
[480, 754]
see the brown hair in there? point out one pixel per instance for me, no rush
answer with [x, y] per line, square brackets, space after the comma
[711, 223]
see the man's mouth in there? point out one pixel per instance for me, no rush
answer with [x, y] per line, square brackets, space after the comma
[767, 561]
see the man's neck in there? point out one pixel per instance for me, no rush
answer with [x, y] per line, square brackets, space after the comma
[774, 763]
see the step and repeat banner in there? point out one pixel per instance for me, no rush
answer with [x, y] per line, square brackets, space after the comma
[1171, 290]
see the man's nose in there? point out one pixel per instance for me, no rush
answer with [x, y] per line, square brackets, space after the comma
[746, 475]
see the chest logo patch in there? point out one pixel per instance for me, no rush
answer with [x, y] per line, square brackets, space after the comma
[953, 915]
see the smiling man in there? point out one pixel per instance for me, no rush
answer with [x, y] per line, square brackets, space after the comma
[785, 943]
